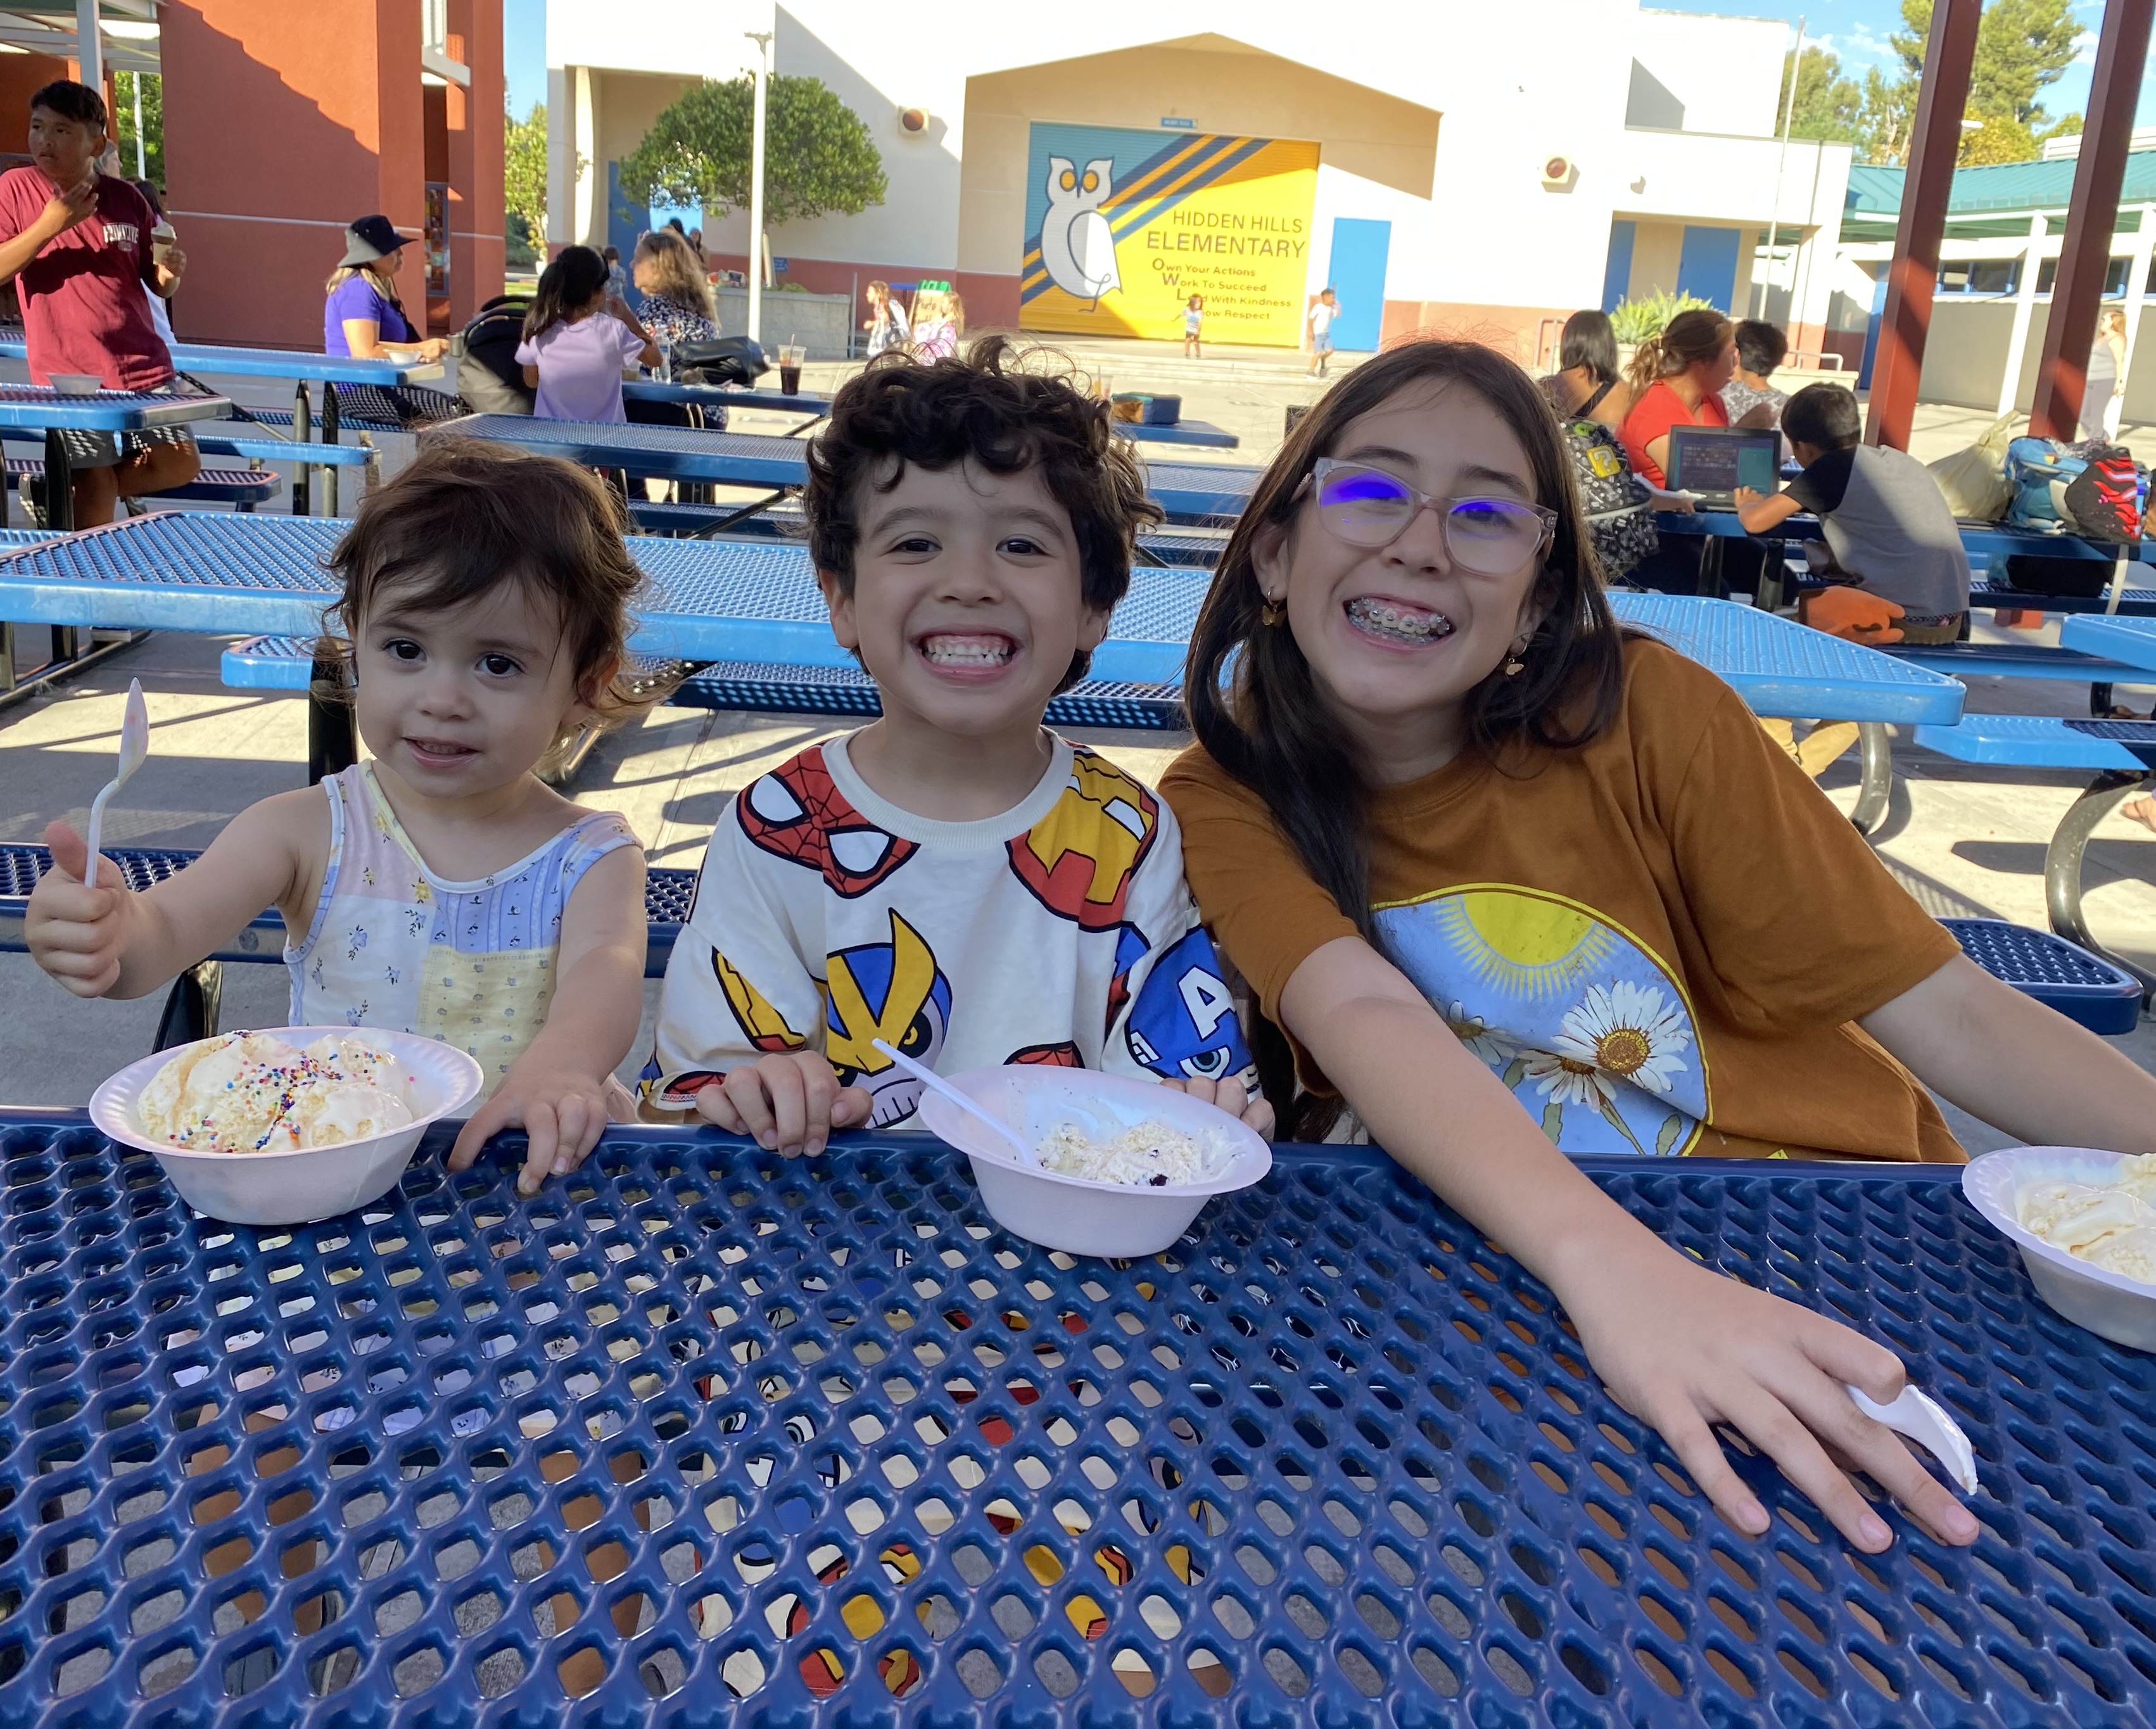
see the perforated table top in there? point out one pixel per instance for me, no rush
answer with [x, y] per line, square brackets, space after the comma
[271, 363]
[1780, 667]
[2132, 640]
[676, 453]
[38, 405]
[699, 1426]
[713, 600]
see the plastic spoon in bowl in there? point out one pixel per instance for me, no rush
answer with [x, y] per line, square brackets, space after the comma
[936, 1083]
[134, 747]
[1919, 1416]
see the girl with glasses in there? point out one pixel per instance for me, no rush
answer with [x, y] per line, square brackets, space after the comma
[1509, 883]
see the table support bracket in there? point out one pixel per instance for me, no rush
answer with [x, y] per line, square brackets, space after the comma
[714, 529]
[2063, 860]
[191, 1008]
[1876, 748]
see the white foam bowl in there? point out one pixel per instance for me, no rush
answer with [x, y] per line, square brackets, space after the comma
[2108, 1304]
[316, 1182]
[1117, 1220]
[77, 383]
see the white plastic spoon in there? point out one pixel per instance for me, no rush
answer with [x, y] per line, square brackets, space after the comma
[1919, 1416]
[134, 747]
[936, 1083]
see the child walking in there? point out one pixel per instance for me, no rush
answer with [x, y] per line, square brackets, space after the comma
[441, 888]
[1514, 884]
[953, 879]
[1320, 318]
[1193, 320]
[579, 338]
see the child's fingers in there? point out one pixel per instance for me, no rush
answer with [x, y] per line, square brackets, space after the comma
[851, 1106]
[789, 1108]
[481, 1127]
[716, 1106]
[542, 1137]
[746, 1090]
[583, 1117]
[1700, 1453]
[1258, 1114]
[82, 975]
[1786, 1438]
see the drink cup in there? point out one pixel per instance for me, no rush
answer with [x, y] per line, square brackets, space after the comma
[161, 237]
[790, 357]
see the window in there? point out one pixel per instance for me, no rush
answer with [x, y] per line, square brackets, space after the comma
[2114, 278]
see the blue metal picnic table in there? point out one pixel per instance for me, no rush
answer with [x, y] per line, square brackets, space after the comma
[699, 1430]
[712, 600]
[1189, 490]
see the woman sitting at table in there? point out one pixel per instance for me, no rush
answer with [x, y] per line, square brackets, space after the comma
[677, 309]
[363, 320]
[1676, 380]
[1587, 384]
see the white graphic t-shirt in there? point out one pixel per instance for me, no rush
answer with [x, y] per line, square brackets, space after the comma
[1060, 931]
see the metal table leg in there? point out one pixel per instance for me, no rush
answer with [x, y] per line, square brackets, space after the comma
[330, 437]
[1877, 748]
[191, 1009]
[59, 517]
[2062, 863]
[332, 745]
[303, 426]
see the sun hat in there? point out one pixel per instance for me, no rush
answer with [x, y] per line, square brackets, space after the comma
[370, 237]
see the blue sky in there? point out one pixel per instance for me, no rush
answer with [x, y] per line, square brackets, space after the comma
[524, 50]
[1857, 31]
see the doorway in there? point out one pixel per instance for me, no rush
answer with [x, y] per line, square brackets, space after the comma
[1356, 272]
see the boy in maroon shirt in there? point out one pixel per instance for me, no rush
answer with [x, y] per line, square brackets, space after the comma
[77, 245]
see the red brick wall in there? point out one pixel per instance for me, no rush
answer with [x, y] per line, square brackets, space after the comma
[475, 121]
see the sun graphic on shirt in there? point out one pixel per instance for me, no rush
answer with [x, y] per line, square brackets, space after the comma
[1531, 946]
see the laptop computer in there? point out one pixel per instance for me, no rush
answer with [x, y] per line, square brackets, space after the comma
[1712, 462]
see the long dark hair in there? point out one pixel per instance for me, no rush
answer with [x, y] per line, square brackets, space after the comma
[1258, 713]
[1591, 344]
[567, 285]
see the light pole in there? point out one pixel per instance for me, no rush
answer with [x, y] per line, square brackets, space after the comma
[1774, 215]
[762, 75]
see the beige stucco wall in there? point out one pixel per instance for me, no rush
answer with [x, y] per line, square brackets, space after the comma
[623, 104]
[1362, 131]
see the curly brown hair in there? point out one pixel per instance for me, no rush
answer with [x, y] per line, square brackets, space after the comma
[462, 519]
[1004, 407]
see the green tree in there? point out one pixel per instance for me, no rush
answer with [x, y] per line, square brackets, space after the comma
[1828, 107]
[1889, 114]
[2023, 47]
[153, 124]
[524, 170]
[818, 155]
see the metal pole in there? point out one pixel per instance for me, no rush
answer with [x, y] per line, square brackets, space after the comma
[1912, 272]
[2025, 312]
[1781, 156]
[763, 41]
[89, 46]
[142, 161]
[2085, 254]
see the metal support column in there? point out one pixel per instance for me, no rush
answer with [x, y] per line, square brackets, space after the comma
[2084, 258]
[1912, 273]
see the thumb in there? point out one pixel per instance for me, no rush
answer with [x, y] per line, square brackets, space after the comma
[483, 1125]
[70, 851]
[853, 1105]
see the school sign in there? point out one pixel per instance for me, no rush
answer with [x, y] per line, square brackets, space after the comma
[1123, 226]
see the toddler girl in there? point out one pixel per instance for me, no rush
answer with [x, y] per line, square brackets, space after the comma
[577, 337]
[441, 888]
[1516, 884]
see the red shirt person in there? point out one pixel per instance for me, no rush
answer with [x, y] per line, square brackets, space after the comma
[1676, 380]
[76, 243]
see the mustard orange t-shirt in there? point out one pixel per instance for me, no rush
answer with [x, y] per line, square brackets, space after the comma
[1660, 942]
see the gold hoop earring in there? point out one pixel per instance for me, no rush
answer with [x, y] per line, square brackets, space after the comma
[1271, 613]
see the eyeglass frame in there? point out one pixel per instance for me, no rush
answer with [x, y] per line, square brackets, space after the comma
[1313, 481]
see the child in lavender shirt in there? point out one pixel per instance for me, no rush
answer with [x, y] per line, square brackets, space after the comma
[577, 337]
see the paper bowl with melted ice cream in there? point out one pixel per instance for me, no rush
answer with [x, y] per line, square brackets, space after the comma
[287, 1125]
[1126, 1165]
[2085, 1222]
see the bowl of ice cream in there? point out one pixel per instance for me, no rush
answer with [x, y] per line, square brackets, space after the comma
[288, 1125]
[1124, 1165]
[2085, 1223]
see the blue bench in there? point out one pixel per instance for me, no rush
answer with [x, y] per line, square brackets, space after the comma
[243, 488]
[1195, 547]
[2101, 997]
[286, 662]
[2013, 660]
[2121, 754]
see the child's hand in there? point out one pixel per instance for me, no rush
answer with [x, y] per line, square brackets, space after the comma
[789, 1103]
[78, 934]
[1232, 1096]
[1746, 498]
[562, 1115]
[1682, 1348]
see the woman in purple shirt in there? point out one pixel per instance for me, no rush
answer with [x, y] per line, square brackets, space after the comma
[364, 320]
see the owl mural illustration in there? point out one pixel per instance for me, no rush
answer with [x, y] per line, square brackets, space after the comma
[1076, 244]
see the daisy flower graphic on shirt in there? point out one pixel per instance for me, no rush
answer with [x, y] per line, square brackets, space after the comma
[1471, 1030]
[1567, 1080]
[1627, 1032]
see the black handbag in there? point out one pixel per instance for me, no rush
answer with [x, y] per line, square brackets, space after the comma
[719, 360]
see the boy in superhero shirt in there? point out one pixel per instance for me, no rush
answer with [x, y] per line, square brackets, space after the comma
[953, 878]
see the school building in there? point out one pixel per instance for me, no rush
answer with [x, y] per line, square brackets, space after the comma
[285, 119]
[1079, 170]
